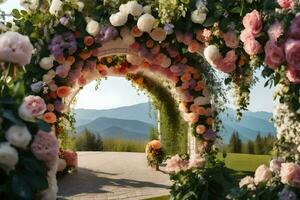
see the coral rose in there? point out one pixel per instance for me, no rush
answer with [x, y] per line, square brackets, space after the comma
[200, 129]
[155, 144]
[227, 64]
[292, 53]
[246, 35]
[70, 158]
[262, 174]
[290, 174]
[50, 117]
[63, 91]
[231, 39]
[252, 47]
[253, 22]
[286, 4]
[274, 55]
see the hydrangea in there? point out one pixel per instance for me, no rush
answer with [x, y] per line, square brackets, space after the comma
[61, 42]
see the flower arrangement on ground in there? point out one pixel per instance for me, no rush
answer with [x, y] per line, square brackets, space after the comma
[155, 154]
[68, 161]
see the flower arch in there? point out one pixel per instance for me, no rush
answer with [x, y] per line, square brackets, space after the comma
[183, 42]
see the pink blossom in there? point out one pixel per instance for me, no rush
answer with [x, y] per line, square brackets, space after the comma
[231, 39]
[176, 164]
[45, 148]
[274, 55]
[227, 64]
[62, 71]
[294, 30]
[292, 53]
[196, 161]
[286, 4]
[262, 174]
[293, 74]
[32, 107]
[275, 31]
[253, 22]
[252, 47]
[275, 164]
[290, 174]
[246, 35]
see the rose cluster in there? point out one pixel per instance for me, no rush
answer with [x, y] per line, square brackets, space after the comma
[177, 164]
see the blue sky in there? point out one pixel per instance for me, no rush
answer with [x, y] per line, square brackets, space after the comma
[116, 92]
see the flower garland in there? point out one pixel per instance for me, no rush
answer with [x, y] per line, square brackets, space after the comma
[155, 154]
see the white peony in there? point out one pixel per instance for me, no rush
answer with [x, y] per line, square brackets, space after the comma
[211, 54]
[124, 8]
[93, 27]
[46, 63]
[147, 9]
[15, 48]
[134, 60]
[118, 19]
[18, 136]
[30, 4]
[134, 8]
[199, 16]
[146, 22]
[158, 34]
[8, 157]
[55, 7]
[61, 165]
[200, 101]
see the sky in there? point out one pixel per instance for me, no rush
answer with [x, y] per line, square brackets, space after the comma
[117, 92]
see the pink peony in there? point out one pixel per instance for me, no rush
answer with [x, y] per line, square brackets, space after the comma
[262, 174]
[176, 164]
[290, 174]
[246, 35]
[286, 4]
[294, 30]
[275, 31]
[227, 64]
[275, 164]
[274, 55]
[231, 40]
[293, 75]
[45, 148]
[196, 161]
[253, 22]
[292, 53]
[252, 47]
[32, 106]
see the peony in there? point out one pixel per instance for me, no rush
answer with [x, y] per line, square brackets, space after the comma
[15, 48]
[275, 31]
[227, 64]
[293, 75]
[18, 136]
[176, 164]
[45, 148]
[196, 161]
[286, 4]
[292, 53]
[32, 107]
[290, 174]
[211, 54]
[118, 19]
[146, 22]
[274, 55]
[93, 27]
[134, 8]
[275, 164]
[231, 39]
[294, 29]
[55, 7]
[8, 157]
[253, 22]
[262, 174]
[36, 87]
[46, 63]
[199, 16]
[247, 181]
[158, 34]
[252, 47]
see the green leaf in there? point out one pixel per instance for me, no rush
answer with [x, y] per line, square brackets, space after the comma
[20, 187]
[209, 22]
[9, 115]
[16, 14]
[236, 10]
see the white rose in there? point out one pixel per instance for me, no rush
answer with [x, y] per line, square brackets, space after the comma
[61, 165]
[146, 22]
[18, 136]
[147, 9]
[211, 54]
[200, 101]
[30, 4]
[93, 27]
[80, 5]
[8, 157]
[158, 34]
[246, 181]
[134, 8]
[118, 19]
[133, 59]
[46, 63]
[199, 16]
[166, 62]
[262, 174]
[55, 7]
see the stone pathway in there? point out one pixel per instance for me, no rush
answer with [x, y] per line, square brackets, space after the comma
[113, 175]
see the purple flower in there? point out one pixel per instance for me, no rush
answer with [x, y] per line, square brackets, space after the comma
[287, 194]
[210, 135]
[36, 87]
[107, 33]
[62, 72]
[59, 105]
[64, 21]
[61, 42]
[169, 28]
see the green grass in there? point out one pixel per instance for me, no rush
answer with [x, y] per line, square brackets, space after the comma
[160, 198]
[121, 145]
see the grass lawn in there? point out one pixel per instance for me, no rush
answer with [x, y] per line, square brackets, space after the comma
[160, 198]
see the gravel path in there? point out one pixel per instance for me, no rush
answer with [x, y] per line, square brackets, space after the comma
[113, 175]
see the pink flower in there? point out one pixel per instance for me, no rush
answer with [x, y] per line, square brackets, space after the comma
[262, 174]
[292, 53]
[176, 164]
[290, 174]
[196, 161]
[45, 148]
[286, 4]
[253, 22]
[247, 181]
[274, 55]
[227, 64]
[275, 31]
[62, 71]
[275, 164]
[294, 30]
[231, 40]
[70, 158]
[32, 107]
[246, 35]
[293, 75]
[252, 47]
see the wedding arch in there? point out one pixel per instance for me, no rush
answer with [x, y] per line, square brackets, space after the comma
[186, 45]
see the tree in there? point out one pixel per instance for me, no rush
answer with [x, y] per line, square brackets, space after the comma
[250, 147]
[87, 141]
[235, 143]
[258, 145]
[153, 134]
[238, 148]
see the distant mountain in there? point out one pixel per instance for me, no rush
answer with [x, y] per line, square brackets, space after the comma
[136, 119]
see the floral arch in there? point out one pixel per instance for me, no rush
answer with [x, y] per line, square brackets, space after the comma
[180, 43]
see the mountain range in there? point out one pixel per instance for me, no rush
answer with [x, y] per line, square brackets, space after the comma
[134, 122]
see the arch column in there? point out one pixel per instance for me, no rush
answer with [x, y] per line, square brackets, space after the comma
[192, 142]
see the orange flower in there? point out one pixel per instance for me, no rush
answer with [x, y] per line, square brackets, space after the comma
[77, 34]
[194, 47]
[135, 32]
[50, 107]
[60, 59]
[186, 77]
[70, 60]
[85, 55]
[53, 95]
[201, 111]
[88, 41]
[49, 117]
[63, 91]
[200, 129]
[200, 86]
[149, 44]
[109, 59]
[209, 121]
[145, 64]
[155, 144]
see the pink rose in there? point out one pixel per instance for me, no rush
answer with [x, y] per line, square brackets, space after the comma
[292, 53]
[252, 47]
[253, 22]
[231, 40]
[286, 4]
[275, 31]
[196, 161]
[293, 75]
[290, 174]
[262, 174]
[176, 164]
[274, 55]
[32, 107]
[294, 30]
[247, 181]
[275, 164]
[246, 35]
[227, 64]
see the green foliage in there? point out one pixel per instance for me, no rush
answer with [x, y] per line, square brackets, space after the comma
[235, 143]
[121, 145]
[87, 141]
[153, 134]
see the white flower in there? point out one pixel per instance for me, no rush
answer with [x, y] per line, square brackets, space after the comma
[93, 27]
[55, 7]
[61, 165]
[200, 101]
[146, 22]
[262, 174]
[147, 9]
[46, 63]
[124, 8]
[8, 157]
[80, 5]
[158, 34]
[211, 54]
[30, 4]
[247, 181]
[118, 19]
[15, 48]
[18, 136]
[199, 16]
[134, 8]
[134, 60]
[201, 4]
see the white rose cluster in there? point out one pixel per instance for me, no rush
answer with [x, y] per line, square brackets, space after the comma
[199, 15]
[93, 27]
[211, 54]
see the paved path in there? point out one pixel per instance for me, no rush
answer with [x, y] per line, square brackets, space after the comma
[113, 175]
